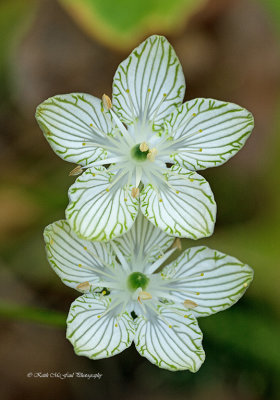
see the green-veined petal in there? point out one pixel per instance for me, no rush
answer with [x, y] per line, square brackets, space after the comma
[186, 209]
[211, 279]
[149, 83]
[95, 335]
[171, 340]
[208, 132]
[73, 259]
[96, 212]
[144, 241]
[74, 126]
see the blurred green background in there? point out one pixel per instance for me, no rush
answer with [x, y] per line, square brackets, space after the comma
[229, 50]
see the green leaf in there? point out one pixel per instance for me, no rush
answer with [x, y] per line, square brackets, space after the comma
[123, 23]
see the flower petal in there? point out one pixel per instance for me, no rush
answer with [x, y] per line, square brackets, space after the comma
[213, 280]
[149, 83]
[170, 340]
[144, 240]
[74, 126]
[185, 209]
[96, 336]
[73, 258]
[208, 132]
[96, 212]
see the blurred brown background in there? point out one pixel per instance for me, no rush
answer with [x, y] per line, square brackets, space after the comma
[229, 50]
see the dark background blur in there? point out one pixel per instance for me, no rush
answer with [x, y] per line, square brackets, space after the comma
[229, 50]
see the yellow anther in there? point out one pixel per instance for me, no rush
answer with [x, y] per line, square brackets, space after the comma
[245, 284]
[134, 192]
[143, 147]
[164, 94]
[98, 316]
[200, 130]
[49, 133]
[185, 316]
[152, 154]
[90, 124]
[194, 115]
[106, 102]
[189, 303]
[177, 192]
[76, 171]
[160, 200]
[51, 241]
[202, 274]
[104, 292]
[144, 296]
[116, 325]
[149, 90]
[127, 90]
[200, 150]
[93, 174]
[125, 199]
[107, 190]
[177, 244]
[191, 180]
[198, 293]
[169, 326]
[85, 248]
[84, 144]
[83, 286]
[80, 265]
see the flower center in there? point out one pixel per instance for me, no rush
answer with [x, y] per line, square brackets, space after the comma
[139, 153]
[136, 280]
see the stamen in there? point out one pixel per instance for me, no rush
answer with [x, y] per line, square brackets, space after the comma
[76, 171]
[143, 147]
[138, 176]
[177, 244]
[83, 286]
[120, 256]
[152, 154]
[144, 296]
[106, 102]
[106, 161]
[189, 304]
[120, 125]
[152, 268]
[135, 192]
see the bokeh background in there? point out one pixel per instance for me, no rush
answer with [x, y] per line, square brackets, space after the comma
[229, 50]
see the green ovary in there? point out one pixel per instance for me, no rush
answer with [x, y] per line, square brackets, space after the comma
[137, 154]
[136, 280]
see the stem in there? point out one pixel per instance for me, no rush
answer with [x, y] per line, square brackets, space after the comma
[32, 314]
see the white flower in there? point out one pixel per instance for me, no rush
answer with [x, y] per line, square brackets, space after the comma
[152, 142]
[127, 299]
